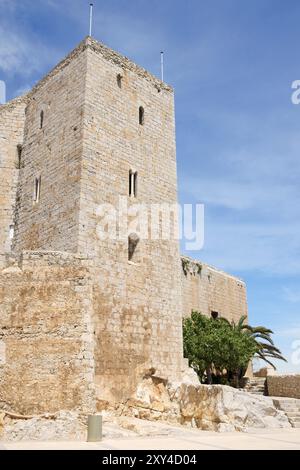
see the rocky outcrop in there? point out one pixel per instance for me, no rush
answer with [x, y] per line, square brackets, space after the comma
[207, 407]
[215, 408]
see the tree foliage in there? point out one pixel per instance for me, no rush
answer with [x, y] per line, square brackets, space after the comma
[220, 351]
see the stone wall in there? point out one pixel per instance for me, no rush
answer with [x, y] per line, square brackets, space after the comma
[52, 152]
[284, 386]
[12, 117]
[137, 304]
[46, 334]
[208, 290]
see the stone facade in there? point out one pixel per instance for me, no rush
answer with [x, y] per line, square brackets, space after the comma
[11, 138]
[211, 291]
[46, 359]
[284, 386]
[81, 320]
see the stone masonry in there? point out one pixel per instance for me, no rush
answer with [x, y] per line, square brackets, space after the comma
[11, 137]
[46, 358]
[207, 289]
[80, 319]
[284, 386]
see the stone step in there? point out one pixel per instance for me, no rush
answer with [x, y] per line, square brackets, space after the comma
[288, 401]
[256, 386]
[293, 414]
[290, 409]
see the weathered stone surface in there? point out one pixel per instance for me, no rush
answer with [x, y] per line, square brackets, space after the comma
[63, 427]
[207, 289]
[46, 334]
[215, 407]
[284, 386]
[12, 118]
[66, 425]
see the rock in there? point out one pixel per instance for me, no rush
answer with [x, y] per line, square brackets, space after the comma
[208, 407]
[216, 405]
[190, 377]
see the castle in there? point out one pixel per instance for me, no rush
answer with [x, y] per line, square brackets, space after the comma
[83, 317]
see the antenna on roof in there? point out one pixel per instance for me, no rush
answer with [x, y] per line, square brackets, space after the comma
[162, 65]
[91, 18]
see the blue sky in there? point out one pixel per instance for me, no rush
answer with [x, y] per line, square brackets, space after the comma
[232, 63]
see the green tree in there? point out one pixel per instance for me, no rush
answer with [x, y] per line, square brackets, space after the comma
[213, 346]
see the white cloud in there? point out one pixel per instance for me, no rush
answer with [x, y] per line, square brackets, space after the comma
[22, 54]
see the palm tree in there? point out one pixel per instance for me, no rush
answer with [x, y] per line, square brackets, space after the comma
[262, 336]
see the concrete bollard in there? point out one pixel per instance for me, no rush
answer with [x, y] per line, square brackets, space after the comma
[94, 428]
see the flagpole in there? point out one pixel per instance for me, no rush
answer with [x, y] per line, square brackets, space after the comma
[91, 18]
[162, 65]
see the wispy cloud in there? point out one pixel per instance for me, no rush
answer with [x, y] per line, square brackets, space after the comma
[24, 52]
[20, 55]
[290, 333]
[292, 295]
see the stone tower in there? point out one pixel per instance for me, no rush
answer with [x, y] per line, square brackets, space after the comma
[98, 128]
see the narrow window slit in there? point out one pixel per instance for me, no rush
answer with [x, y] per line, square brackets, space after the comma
[19, 156]
[119, 80]
[133, 183]
[133, 241]
[41, 119]
[141, 116]
[11, 232]
[130, 183]
[37, 190]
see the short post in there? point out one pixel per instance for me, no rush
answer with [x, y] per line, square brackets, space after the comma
[94, 428]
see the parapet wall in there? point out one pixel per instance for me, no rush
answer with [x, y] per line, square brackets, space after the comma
[46, 333]
[284, 386]
[208, 290]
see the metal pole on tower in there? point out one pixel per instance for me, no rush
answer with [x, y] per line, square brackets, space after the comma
[162, 65]
[91, 18]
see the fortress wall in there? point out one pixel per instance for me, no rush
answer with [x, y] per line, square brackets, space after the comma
[206, 289]
[46, 334]
[12, 117]
[52, 153]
